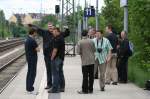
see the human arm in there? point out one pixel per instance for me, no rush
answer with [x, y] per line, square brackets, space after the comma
[40, 31]
[54, 53]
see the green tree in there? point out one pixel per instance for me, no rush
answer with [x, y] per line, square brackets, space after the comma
[50, 18]
[113, 14]
[2, 23]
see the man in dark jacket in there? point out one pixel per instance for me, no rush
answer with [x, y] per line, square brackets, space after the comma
[123, 55]
[31, 49]
[57, 58]
[47, 48]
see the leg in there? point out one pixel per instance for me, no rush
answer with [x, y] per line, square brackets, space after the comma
[31, 74]
[119, 68]
[48, 70]
[114, 70]
[91, 77]
[85, 79]
[108, 72]
[102, 69]
[125, 70]
[96, 69]
[55, 75]
[62, 78]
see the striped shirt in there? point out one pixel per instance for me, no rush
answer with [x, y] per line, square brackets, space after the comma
[106, 47]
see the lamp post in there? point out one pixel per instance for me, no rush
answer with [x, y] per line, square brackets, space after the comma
[124, 3]
[96, 17]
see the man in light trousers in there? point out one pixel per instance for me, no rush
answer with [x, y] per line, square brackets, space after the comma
[111, 70]
[102, 56]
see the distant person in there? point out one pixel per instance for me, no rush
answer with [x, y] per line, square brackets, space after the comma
[31, 49]
[91, 33]
[86, 49]
[102, 56]
[57, 58]
[111, 70]
[123, 55]
[47, 47]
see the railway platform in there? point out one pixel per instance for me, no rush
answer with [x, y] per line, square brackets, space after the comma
[73, 76]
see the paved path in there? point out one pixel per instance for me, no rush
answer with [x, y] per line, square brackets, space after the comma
[72, 69]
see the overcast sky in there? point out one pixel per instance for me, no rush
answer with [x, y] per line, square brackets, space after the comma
[26, 6]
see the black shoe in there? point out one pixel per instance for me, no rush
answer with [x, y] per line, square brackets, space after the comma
[103, 89]
[123, 82]
[47, 87]
[90, 92]
[114, 83]
[53, 91]
[96, 77]
[81, 92]
[62, 90]
[107, 83]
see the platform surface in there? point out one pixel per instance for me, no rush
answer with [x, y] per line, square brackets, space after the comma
[73, 76]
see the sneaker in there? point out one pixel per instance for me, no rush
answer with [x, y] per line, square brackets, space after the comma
[47, 87]
[32, 92]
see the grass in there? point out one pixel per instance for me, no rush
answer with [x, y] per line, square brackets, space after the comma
[136, 74]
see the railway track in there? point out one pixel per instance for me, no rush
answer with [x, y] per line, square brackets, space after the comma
[7, 44]
[10, 69]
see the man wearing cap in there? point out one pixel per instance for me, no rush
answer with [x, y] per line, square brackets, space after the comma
[47, 47]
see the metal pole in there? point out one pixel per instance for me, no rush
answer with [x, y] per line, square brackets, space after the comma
[126, 19]
[96, 15]
[85, 19]
[62, 16]
[74, 19]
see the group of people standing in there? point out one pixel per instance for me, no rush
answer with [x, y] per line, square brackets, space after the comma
[107, 54]
[54, 53]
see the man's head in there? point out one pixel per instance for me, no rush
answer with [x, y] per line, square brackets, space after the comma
[123, 34]
[50, 27]
[99, 34]
[84, 33]
[56, 32]
[109, 28]
[32, 32]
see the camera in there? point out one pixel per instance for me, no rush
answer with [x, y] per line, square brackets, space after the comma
[99, 50]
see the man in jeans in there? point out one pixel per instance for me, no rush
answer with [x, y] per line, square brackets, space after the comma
[47, 36]
[57, 58]
[86, 49]
[102, 56]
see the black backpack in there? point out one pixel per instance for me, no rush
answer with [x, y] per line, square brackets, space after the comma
[147, 85]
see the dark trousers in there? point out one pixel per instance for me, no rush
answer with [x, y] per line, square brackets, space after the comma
[48, 69]
[88, 78]
[31, 73]
[57, 74]
[62, 77]
[122, 65]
